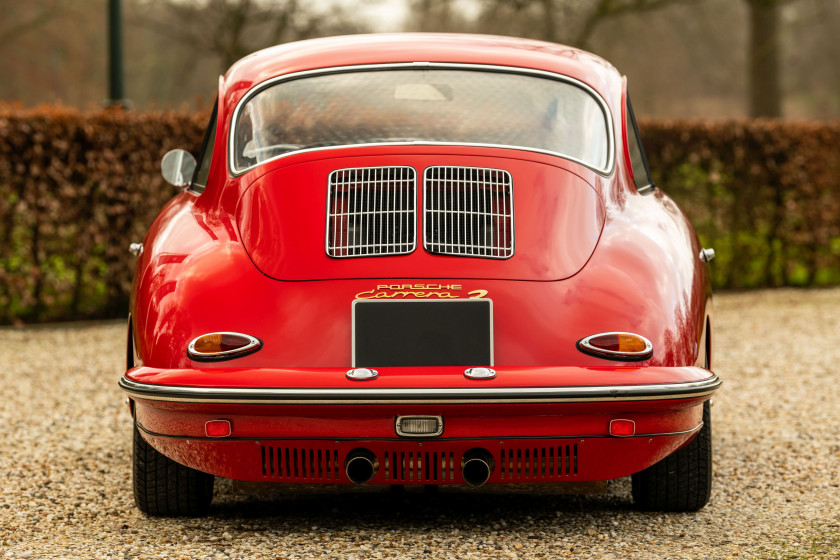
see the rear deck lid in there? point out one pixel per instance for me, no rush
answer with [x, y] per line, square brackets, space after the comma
[420, 216]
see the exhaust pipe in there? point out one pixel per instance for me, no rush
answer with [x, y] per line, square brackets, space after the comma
[361, 466]
[476, 466]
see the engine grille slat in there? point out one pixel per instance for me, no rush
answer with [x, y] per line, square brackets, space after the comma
[299, 463]
[468, 211]
[538, 463]
[420, 466]
[371, 211]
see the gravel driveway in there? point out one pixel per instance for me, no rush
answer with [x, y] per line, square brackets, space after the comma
[65, 467]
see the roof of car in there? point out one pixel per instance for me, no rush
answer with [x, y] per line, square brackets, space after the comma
[391, 48]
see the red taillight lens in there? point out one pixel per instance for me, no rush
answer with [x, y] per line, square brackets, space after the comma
[622, 428]
[617, 346]
[615, 342]
[222, 346]
[218, 428]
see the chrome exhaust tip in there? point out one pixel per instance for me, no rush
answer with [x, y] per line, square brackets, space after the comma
[361, 466]
[476, 466]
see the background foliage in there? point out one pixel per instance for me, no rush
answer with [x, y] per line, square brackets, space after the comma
[683, 58]
[77, 187]
[764, 193]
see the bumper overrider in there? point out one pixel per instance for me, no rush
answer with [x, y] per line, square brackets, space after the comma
[537, 424]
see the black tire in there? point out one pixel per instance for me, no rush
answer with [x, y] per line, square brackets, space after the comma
[163, 487]
[682, 481]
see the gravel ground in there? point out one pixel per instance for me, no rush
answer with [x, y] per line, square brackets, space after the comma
[66, 491]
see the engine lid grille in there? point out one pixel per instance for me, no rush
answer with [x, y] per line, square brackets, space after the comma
[468, 212]
[371, 211]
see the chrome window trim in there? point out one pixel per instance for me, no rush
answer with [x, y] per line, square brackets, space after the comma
[484, 394]
[606, 170]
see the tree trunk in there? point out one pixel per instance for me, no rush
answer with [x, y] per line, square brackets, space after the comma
[550, 25]
[765, 87]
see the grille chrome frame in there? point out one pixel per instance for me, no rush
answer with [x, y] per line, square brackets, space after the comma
[468, 212]
[371, 196]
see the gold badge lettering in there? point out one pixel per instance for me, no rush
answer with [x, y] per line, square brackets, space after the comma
[419, 291]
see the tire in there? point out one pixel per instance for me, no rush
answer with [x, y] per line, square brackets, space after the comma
[163, 487]
[682, 481]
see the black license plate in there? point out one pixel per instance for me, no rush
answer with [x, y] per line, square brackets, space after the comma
[423, 333]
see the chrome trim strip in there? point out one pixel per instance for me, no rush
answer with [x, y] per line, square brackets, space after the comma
[606, 170]
[364, 395]
[696, 428]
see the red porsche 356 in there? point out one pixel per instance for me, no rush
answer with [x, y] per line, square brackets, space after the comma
[420, 260]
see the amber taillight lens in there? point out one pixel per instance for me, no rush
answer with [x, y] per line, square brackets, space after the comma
[627, 347]
[222, 346]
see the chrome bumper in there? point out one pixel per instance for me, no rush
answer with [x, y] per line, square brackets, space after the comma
[485, 395]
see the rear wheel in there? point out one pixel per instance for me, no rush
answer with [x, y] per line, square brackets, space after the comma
[682, 481]
[166, 488]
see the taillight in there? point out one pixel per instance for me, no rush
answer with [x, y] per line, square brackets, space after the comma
[626, 347]
[218, 428]
[622, 428]
[213, 347]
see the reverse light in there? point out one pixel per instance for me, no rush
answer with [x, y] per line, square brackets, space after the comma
[622, 346]
[218, 346]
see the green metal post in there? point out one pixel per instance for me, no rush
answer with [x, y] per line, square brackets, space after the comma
[116, 88]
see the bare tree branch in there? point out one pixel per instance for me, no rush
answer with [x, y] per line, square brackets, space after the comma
[608, 9]
[41, 18]
[230, 29]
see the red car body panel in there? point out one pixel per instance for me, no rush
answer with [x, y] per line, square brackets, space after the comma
[288, 202]
[592, 255]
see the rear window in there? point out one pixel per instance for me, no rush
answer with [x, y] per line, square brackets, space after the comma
[437, 106]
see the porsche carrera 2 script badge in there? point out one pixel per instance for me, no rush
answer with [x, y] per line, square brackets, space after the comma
[422, 291]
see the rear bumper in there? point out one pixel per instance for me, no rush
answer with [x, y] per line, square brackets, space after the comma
[535, 433]
[418, 385]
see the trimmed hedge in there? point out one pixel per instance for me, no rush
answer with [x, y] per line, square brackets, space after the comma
[77, 187]
[764, 193]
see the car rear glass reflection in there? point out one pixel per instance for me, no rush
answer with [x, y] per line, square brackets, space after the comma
[432, 105]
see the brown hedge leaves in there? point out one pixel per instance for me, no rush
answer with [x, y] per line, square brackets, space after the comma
[764, 193]
[77, 187]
